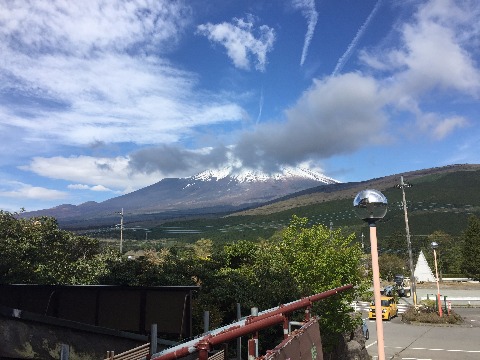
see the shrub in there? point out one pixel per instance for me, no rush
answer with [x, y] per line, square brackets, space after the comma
[426, 313]
[367, 296]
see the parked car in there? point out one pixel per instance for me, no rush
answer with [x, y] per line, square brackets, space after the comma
[388, 290]
[389, 308]
[366, 333]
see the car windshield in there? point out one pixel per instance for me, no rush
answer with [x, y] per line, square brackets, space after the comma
[385, 303]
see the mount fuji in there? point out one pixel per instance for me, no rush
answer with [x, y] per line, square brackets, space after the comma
[211, 192]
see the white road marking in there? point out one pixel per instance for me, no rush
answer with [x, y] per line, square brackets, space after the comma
[365, 306]
[422, 348]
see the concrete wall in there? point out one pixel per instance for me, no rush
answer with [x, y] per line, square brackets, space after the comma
[30, 336]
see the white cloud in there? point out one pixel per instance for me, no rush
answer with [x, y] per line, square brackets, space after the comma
[83, 28]
[98, 174]
[114, 99]
[434, 57]
[88, 187]
[434, 52]
[25, 191]
[85, 73]
[447, 126]
[438, 127]
[240, 41]
[100, 188]
[78, 187]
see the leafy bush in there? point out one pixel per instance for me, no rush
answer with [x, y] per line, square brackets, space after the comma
[426, 313]
[366, 296]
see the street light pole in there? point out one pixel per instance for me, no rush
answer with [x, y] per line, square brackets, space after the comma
[439, 301]
[409, 244]
[376, 289]
[371, 206]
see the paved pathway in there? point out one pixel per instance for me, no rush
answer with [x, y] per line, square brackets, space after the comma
[429, 342]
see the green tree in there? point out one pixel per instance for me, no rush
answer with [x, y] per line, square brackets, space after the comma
[250, 273]
[36, 251]
[449, 252]
[391, 265]
[396, 243]
[471, 248]
[244, 272]
[319, 260]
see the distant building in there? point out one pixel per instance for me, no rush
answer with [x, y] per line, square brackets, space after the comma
[422, 272]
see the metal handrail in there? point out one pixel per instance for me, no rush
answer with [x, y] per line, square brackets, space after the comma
[244, 326]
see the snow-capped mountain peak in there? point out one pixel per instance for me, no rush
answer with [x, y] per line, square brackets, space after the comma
[211, 191]
[209, 175]
[246, 175]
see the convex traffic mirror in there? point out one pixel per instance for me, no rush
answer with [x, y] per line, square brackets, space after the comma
[370, 205]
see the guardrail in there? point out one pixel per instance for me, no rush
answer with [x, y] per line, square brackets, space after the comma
[456, 300]
[456, 279]
[249, 325]
[451, 298]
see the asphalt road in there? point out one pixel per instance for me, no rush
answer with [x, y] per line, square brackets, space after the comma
[424, 342]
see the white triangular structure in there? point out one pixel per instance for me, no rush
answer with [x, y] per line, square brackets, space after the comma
[422, 272]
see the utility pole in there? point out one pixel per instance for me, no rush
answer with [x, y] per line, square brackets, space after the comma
[121, 230]
[402, 186]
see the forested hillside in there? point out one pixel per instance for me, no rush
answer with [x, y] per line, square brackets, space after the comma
[439, 200]
[439, 204]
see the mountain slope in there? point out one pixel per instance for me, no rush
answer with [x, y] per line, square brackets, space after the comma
[341, 191]
[441, 199]
[212, 191]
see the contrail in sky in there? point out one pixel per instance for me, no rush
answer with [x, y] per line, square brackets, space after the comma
[260, 105]
[308, 10]
[344, 58]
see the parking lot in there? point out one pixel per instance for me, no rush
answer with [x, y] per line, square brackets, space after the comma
[424, 341]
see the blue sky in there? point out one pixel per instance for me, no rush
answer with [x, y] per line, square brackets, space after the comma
[100, 98]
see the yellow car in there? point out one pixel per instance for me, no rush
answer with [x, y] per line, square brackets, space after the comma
[389, 308]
